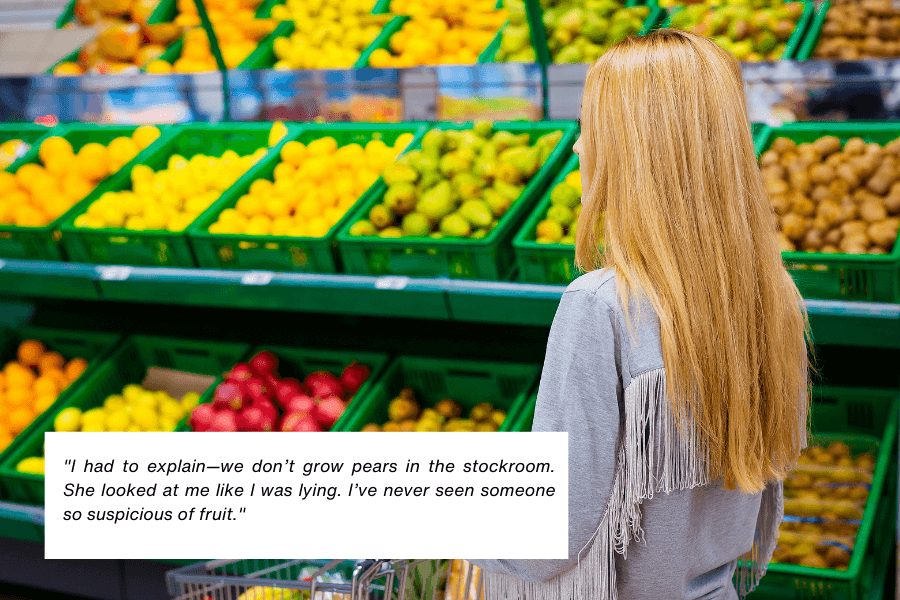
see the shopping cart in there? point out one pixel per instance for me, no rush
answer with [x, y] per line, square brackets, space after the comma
[341, 579]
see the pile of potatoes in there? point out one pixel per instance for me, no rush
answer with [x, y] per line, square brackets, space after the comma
[832, 199]
[856, 29]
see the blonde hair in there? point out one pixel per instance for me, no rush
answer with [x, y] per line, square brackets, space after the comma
[669, 159]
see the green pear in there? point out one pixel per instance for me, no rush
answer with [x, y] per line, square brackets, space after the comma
[399, 173]
[401, 198]
[380, 216]
[437, 202]
[455, 225]
[416, 224]
[476, 212]
[363, 228]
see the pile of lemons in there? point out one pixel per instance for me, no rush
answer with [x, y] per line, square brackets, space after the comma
[313, 186]
[135, 409]
[37, 194]
[171, 198]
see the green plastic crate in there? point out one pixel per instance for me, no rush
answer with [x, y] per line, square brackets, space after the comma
[488, 258]
[858, 277]
[792, 46]
[91, 346]
[505, 385]
[811, 39]
[164, 11]
[25, 523]
[545, 263]
[655, 17]
[299, 362]
[126, 365]
[286, 253]
[43, 243]
[873, 547]
[163, 248]
[30, 133]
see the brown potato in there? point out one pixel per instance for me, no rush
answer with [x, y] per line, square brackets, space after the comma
[827, 145]
[829, 249]
[833, 236]
[883, 234]
[820, 223]
[876, 250]
[849, 210]
[830, 212]
[812, 241]
[821, 193]
[768, 158]
[793, 226]
[872, 210]
[866, 165]
[874, 148]
[863, 195]
[789, 157]
[780, 203]
[893, 146]
[799, 180]
[855, 146]
[847, 172]
[777, 186]
[821, 173]
[834, 159]
[857, 243]
[804, 207]
[892, 202]
[783, 144]
[881, 181]
[809, 153]
[854, 227]
[839, 187]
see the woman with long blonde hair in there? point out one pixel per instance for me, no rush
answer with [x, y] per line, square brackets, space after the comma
[678, 364]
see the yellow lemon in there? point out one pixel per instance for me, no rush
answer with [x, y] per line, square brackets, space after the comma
[123, 149]
[93, 427]
[145, 135]
[322, 146]
[574, 179]
[261, 188]
[279, 129]
[114, 402]
[168, 424]
[276, 207]
[282, 225]
[133, 428]
[55, 146]
[249, 206]
[7, 182]
[68, 419]
[145, 418]
[33, 465]
[93, 161]
[293, 153]
[190, 401]
[132, 392]
[117, 421]
[259, 225]
[172, 409]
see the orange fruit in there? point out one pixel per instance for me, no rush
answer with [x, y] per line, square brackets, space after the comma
[18, 376]
[2, 381]
[76, 187]
[27, 173]
[29, 352]
[42, 403]
[44, 386]
[145, 135]
[19, 396]
[58, 166]
[55, 146]
[19, 419]
[93, 161]
[5, 439]
[75, 368]
[158, 66]
[28, 216]
[122, 150]
[56, 375]
[51, 360]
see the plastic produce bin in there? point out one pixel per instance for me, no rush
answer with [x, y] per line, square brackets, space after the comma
[811, 39]
[126, 365]
[872, 548]
[44, 243]
[505, 385]
[488, 258]
[792, 46]
[89, 345]
[866, 277]
[286, 253]
[300, 362]
[163, 248]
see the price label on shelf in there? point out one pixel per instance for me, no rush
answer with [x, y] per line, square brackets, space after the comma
[115, 273]
[391, 283]
[257, 278]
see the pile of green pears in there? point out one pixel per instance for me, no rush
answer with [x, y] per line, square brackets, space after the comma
[561, 220]
[751, 35]
[459, 184]
[578, 31]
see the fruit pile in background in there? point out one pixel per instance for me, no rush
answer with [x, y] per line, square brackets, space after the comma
[312, 188]
[168, 199]
[859, 30]
[825, 497]
[440, 32]
[11, 151]
[459, 184]
[577, 31]
[834, 199]
[750, 35]
[134, 409]
[125, 41]
[754, 4]
[30, 384]
[561, 220]
[406, 414]
[327, 35]
[37, 194]
[255, 397]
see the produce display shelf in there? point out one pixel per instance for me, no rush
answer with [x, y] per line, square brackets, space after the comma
[805, 52]
[871, 324]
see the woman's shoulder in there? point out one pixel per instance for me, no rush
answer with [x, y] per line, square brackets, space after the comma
[600, 283]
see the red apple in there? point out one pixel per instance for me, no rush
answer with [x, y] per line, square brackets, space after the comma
[264, 362]
[287, 388]
[353, 376]
[224, 420]
[322, 384]
[239, 372]
[268, 407]
[298, 422]
[251, 418]
[300, 403]
[201, 417]
[255, 389]
[228, 395]
[328, 411]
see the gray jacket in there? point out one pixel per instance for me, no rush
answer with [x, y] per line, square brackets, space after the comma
[644, 521]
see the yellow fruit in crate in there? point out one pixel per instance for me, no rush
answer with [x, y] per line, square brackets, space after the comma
[145, 418]
[114, 402]
[133, 428]
[33, 465]
[7, 182]
[55, 147]
[132, 393]
[93, 161]
[145, 135]
[171, 409]
[68, 419]
[158, 66]
[117, 420]
[28, 173]
[122, 150]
